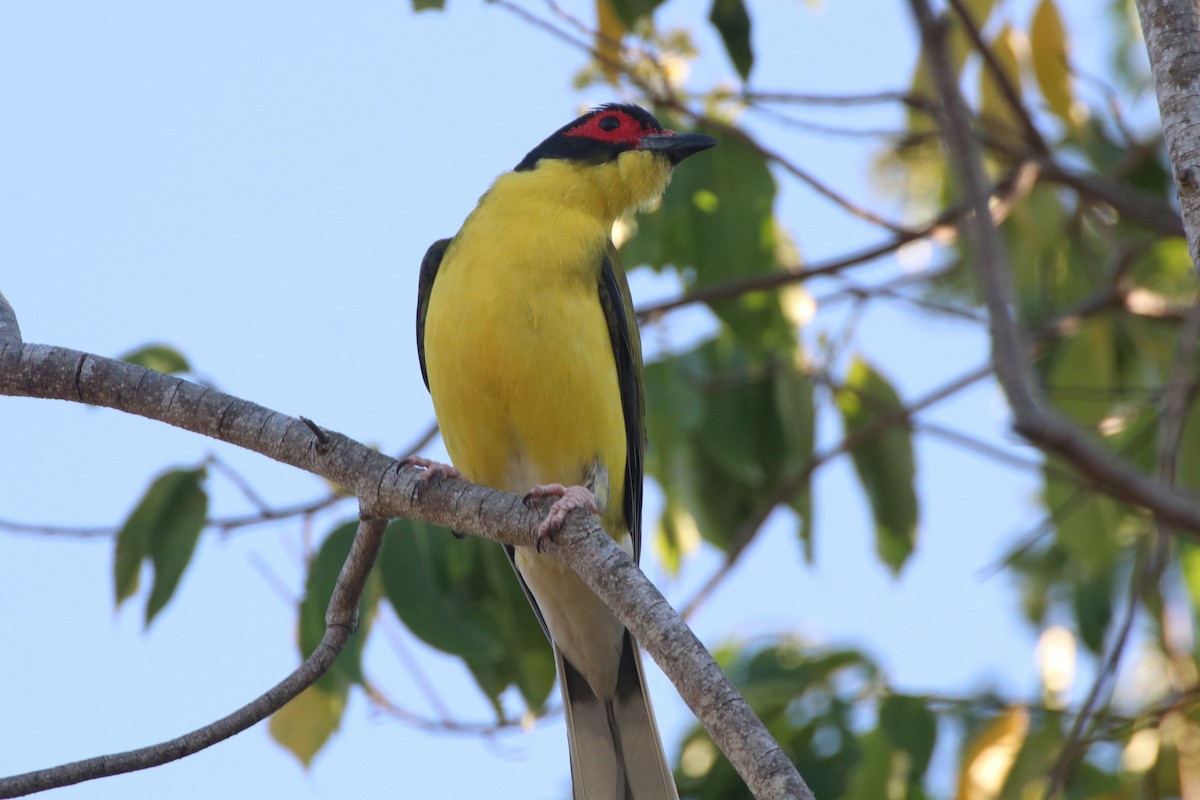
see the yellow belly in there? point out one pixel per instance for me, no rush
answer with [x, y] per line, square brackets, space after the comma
[524, 382]
[523, 377]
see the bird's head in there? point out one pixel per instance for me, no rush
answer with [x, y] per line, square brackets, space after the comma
[618, 155]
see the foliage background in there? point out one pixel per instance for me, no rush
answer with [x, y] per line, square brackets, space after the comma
[257, 186]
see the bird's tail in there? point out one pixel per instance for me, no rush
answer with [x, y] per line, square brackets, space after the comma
[616, 753]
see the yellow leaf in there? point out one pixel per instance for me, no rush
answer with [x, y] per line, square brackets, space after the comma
[1048, 40]
[609, 30]
[990, 757]
[999, 117]
[305, 724]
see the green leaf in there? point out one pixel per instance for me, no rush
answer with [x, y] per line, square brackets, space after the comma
[885, 463]
[462, 597]
[630, 11]
[428, 5]
[306, 723]
[883, 772]
[1093, 594]
[1082, 373]
[715, 226]
[163, 528]
[724, 433]
[318, 589]
[809, 703]
[730, 19]
[1051, 66]
[911, 728]
[160, 358]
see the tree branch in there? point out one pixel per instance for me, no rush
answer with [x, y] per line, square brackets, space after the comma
[1172, 30]
[341, 620]
[1031, 419]
[386, 488]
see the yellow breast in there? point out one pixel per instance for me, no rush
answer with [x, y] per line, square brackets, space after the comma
[521, 368]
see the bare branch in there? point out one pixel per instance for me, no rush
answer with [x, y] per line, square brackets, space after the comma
[387, 488]
[790, 485]
[1172, 30]
[1011, 95]
[341, 619]
[1031, 418]
[10, 331]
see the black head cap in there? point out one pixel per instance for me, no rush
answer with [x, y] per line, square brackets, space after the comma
[598, 136]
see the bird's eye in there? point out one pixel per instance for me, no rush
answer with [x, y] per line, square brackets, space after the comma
[609, 123]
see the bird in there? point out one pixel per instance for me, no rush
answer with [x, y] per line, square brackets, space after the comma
[529, 348]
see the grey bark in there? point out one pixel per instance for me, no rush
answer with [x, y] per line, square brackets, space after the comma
[1172, 32]
[386, 488]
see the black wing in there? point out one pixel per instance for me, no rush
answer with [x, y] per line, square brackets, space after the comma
[627, 350]
[429, 268]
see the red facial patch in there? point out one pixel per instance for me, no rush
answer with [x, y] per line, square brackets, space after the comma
[613, 126]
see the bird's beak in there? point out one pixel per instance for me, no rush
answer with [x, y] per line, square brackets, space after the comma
[676, 146]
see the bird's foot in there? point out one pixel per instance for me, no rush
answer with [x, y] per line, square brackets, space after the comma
[432, 471]
[569, 499]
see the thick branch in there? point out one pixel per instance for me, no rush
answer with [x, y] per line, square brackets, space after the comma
[10, 331]
[1172, 29]
[1031, 418]
[341, 619]
[388, 489]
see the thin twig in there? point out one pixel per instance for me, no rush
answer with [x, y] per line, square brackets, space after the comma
[1174, 407]
[1031, 419]
[790, 485]
[1009, 92]
[341, 620]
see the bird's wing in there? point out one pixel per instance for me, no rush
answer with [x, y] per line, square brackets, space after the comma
[627, 350]
[429, 268]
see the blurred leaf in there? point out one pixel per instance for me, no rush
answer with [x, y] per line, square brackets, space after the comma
[1086, 523]
[1043, 742]
[158, 357]
[163, 528]
[1082, 372]
[462, 597]
[1040, 571]
[885, 463]
[1189, 448]
[959, 46]
[999, 117]
[910, 727]
[1165, 267]
[714, 226]
[724, 434]
[305, 724]
[730, 19]
[806, 699]
[1051, 67]
[629, 11]
[426, 5]
[1092, 596]
[609, 32]
[990, 756]
[1189, 565]
[883, 773]
[322, 579]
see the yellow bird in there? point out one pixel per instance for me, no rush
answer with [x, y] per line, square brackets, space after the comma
[530, 350]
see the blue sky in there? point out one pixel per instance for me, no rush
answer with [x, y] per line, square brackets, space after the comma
[256, 184]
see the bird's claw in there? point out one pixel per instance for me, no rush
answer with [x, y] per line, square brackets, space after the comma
[432, 472]
[569, 499]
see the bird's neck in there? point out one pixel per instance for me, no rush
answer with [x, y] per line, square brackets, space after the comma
[601, 191]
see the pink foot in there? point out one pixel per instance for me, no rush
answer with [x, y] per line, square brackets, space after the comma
[432, 470]
[569, 499]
